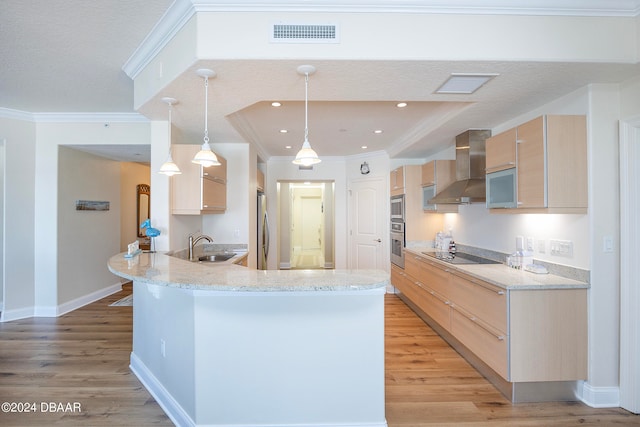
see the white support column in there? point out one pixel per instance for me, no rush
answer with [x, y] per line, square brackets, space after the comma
[629, 266]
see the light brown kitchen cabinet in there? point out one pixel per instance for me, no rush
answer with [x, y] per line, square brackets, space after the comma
[436, 176]
[197, 190]
[550, 157]
[523, 335]
[500, 151]
[396, 181]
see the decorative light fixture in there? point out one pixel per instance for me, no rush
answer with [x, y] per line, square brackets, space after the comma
[169, 167]
[306, 156]
[205, 156]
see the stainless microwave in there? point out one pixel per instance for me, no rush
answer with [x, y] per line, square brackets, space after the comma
[502, 189]
[397, 208]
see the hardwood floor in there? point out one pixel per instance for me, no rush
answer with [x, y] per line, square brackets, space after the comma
[83, 357]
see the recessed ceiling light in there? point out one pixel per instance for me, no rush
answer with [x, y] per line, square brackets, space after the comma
[283, 131]
[401, 104]
[288, 147]
[276, 104]
[461, 83]
[378, 131]
[364, 147]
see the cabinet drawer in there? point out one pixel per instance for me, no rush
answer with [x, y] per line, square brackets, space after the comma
[483, 300]
[436, 277]
[485, 342]
[437, 306]
[431, 303]
[411, 265]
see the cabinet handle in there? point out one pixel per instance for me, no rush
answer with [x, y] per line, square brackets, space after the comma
[500, 166]
[479, 283]
[478, 322]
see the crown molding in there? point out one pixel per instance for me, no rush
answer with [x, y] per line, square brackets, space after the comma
[7, 113]
[165, 29]
[90, 118]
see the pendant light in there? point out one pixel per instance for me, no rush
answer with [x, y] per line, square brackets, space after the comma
[205, 156]
[169, 167]
[306, 156]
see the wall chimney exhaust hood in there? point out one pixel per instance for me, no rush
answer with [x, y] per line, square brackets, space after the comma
[470, 170]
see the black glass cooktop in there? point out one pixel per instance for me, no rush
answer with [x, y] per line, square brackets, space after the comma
[460, 258]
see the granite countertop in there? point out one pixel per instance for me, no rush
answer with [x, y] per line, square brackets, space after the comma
[505, 277]
[162, 269]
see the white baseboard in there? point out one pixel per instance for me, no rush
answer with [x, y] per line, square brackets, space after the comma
[20, 313]
[88, 299]
[168, 404]
[599, 397]
[55, 311]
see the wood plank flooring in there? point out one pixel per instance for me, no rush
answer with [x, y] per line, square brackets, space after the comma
[83, 357]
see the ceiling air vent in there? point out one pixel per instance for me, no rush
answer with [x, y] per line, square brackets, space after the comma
[304, 33]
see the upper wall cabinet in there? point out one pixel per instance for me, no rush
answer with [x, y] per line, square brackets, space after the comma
[197, 190]
[549, 157]
[396, 181]
[436, 176]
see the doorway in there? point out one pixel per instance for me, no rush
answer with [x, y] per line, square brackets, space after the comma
[305, 212]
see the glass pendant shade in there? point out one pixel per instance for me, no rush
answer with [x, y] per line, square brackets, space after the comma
[306, 156]
[169, 167]
[206, 157]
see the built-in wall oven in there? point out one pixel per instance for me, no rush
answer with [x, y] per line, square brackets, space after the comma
[397, 230]
[397, 208]
[397, 243]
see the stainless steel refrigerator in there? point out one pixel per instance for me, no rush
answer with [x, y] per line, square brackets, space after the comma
[263, 232]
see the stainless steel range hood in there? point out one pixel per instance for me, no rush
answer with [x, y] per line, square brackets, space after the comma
[470, 170]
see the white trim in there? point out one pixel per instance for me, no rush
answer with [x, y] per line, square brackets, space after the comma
[168, 404]
[8, 113]
[598, 397]
[88, 299]
[55, 311]
[89, 117]
[629, 268]
[20, 313]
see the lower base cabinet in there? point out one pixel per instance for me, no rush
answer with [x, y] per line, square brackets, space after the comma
[523, 335]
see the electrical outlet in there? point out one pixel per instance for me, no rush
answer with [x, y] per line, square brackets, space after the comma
[163, 348]
[561, 248]
[530, 243]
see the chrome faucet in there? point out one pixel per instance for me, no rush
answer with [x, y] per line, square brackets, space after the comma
[193, 241]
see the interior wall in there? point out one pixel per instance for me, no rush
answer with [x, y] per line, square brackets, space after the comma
[86, 239]
[19, 209]
[131, 174]
[49, 137]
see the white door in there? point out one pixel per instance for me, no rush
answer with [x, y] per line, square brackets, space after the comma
[311, 222]
[368, 218]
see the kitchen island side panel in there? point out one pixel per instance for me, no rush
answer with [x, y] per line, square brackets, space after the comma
[290, 359]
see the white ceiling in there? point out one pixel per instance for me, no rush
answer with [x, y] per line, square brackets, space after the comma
[68, 57]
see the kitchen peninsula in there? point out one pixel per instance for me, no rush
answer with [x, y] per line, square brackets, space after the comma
[227, 345]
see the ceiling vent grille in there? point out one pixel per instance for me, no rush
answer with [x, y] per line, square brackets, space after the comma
[304, 33]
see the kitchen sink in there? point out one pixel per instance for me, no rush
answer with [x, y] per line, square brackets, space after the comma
[215, 257]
